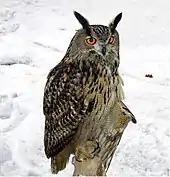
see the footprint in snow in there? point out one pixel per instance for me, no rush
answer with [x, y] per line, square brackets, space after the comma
[11, 113]
[6, 106]
[7, 22]
[6, 154]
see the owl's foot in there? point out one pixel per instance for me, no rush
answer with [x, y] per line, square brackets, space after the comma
[88, 150]
[87, 160]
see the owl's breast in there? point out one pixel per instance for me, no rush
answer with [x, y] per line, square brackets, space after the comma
[100, 89]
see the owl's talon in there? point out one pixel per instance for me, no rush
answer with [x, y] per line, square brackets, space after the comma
[96, 148]
[87, 151]
[73, 160]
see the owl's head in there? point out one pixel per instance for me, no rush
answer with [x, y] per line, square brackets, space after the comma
[104, 40]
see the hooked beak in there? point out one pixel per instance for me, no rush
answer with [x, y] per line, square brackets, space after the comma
[104, 50]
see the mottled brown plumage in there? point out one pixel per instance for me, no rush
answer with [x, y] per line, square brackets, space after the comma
[82, 88]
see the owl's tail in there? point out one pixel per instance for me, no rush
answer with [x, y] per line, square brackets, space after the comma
[60, 161]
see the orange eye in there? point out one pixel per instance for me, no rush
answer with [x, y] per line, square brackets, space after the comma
[91, 41]
[111, 40]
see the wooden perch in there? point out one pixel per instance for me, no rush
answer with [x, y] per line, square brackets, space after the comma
[94, 155]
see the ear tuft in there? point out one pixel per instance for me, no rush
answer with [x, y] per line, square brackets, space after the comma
[115, 22]
[83, 21]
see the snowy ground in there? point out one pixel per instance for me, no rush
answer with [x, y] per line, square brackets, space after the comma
[34, 34]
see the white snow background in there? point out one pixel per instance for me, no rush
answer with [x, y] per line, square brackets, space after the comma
[34, 35]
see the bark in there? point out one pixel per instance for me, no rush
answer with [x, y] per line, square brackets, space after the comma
[94, 155]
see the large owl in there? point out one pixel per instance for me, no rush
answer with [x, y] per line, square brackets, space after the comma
[81, 90]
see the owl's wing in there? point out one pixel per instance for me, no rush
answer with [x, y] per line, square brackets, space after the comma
[63, 107]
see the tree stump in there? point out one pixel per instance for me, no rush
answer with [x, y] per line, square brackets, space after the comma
[94, 155]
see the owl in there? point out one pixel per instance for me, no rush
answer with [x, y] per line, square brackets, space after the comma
[81, 90]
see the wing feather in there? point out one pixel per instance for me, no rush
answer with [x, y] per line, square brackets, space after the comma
[62, 106]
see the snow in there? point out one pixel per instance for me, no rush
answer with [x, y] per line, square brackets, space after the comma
[34, 36]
